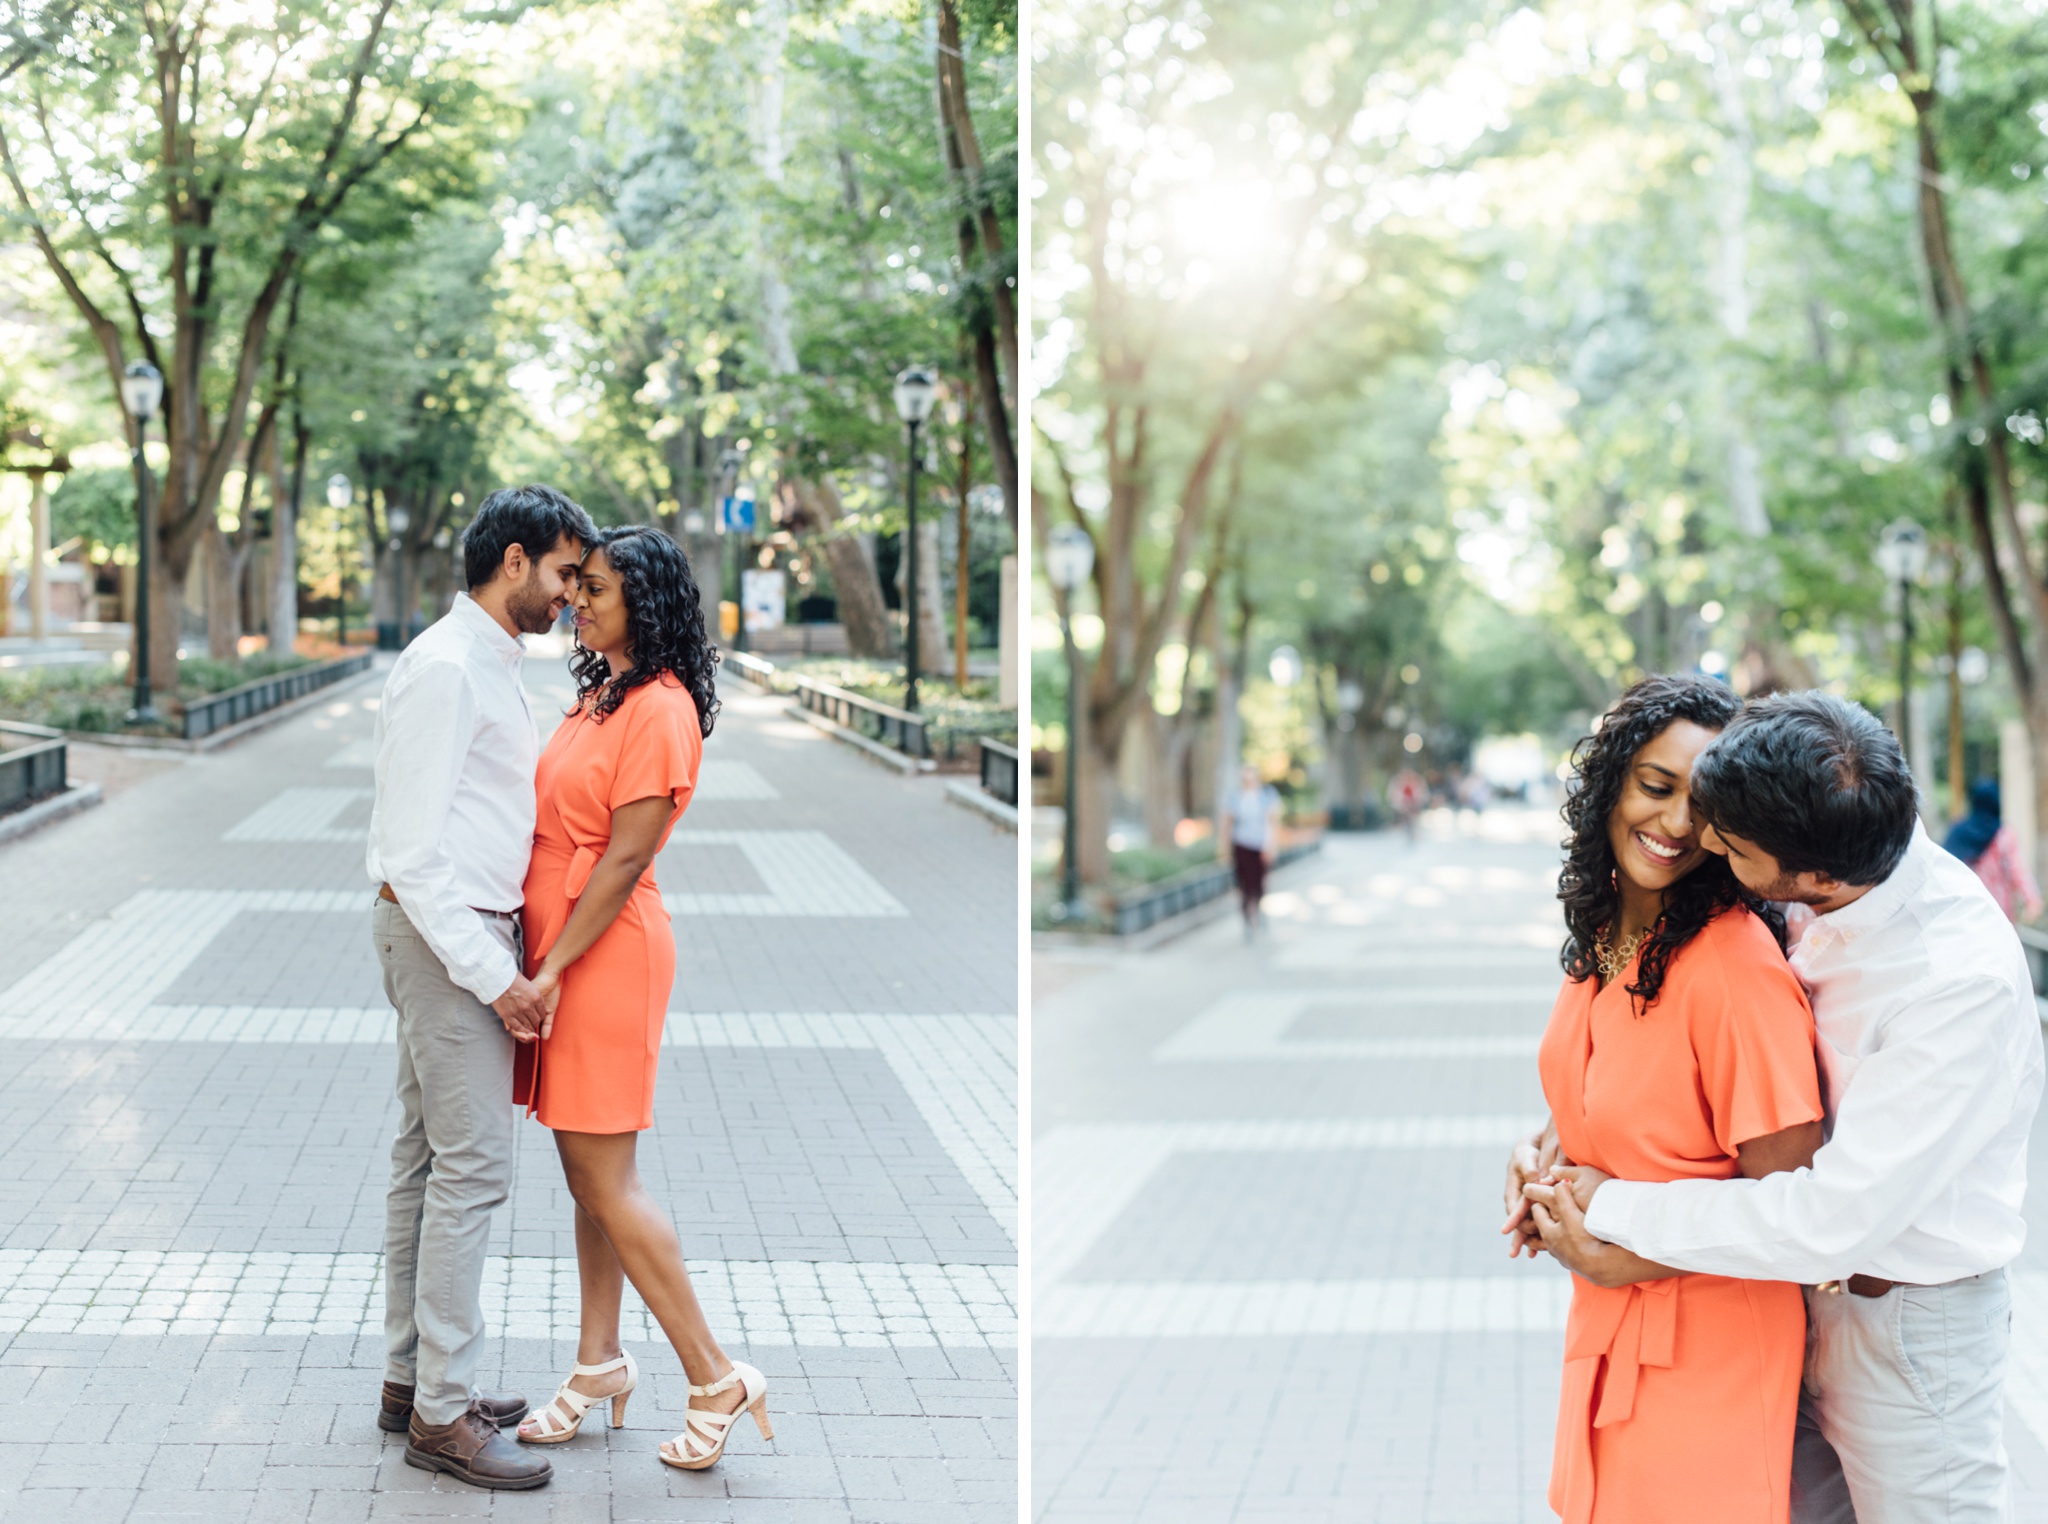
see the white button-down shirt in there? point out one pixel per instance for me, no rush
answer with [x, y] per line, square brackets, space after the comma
[1931, 1064]
[452, 826]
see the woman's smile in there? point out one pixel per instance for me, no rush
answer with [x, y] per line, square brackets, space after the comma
[1661, 848]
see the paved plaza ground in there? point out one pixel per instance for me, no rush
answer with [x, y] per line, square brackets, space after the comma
[196, 1108]
[1267, 1282]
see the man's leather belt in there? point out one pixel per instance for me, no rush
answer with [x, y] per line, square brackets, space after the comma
[1862, 1285]
[384, 893]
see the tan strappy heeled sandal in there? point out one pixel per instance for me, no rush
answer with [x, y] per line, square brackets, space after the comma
[563, 1416]
[701, 1444]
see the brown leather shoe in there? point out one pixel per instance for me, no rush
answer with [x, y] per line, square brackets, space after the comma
[395, 1412]
[472, 1450]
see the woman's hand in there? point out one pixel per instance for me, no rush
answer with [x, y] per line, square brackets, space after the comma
[1562, 1223]
[549, 982]
[1583, 1179]
[1530, 1160]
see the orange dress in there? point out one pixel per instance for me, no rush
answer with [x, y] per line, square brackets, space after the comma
[1680, 1395]
[595, 1071]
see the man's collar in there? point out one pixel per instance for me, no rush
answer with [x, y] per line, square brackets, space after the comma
[506, 646]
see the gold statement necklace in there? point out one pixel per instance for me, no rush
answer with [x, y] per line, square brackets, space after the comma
[1614, 960]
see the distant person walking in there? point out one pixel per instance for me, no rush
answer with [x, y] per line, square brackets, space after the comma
[1984, 841]
[1253, 821]
[1407, 795]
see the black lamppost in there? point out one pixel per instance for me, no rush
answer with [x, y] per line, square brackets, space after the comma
[142, 388]
[1069, 557]
[1902, 555]
[915, 390]
[340, 490]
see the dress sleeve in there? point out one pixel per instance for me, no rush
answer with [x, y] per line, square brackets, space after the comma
[1753, 1038]
[660, 748]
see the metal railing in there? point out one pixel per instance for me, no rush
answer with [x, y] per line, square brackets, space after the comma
[32, 772]
[1149, 906]
[998, 769]
[220, 710]
[752, 668]
[886, 723]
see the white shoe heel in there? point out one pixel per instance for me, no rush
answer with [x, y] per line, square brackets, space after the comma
[701, 1444]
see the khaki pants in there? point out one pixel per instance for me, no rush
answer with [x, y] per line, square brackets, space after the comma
[451, 1166]
[1902, 1414]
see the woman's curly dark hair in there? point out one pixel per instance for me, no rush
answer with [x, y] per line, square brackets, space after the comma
[1587, 885]
[664, 625]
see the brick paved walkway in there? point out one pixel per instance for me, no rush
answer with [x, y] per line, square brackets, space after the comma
[1266, 1279]
[196, 1107]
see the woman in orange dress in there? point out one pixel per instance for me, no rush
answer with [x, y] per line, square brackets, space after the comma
[613, 781]
[1681, 1047]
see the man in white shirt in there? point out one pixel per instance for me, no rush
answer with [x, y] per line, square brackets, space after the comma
[1931, 1064]
[450, 834]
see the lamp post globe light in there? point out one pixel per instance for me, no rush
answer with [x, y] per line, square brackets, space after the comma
[916, 388]
[1902, 556]
[142, 391]
[339, 491]
[1069, 558]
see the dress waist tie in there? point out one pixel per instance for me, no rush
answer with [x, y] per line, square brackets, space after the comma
[1616, 1331]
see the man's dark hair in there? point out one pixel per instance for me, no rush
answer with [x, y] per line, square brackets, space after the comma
[533, 517]
[1816, 782]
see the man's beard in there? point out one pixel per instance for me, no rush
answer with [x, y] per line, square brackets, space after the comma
[1786, 891]
[531, 609]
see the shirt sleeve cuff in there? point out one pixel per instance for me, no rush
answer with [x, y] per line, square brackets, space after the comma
[1612, 1213]
[488, 984]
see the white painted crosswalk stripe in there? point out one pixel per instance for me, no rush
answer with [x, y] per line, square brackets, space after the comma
[1531, 1303]
[776, 1302]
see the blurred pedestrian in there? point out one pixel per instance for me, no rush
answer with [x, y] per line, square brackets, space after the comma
[1983, 840]
[1253, 825]
[1408, 795]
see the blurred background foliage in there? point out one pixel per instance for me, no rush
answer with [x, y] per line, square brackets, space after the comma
[1424, 374]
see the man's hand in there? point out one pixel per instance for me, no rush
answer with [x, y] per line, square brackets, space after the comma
[1531, 1159]
[1562, 1222]
[549, 983]
[522, 1009]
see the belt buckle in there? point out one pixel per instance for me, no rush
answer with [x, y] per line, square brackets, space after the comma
[1832, 1288]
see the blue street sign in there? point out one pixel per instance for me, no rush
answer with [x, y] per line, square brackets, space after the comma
[736, 515]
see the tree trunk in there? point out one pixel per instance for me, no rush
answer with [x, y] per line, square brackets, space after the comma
[981, 245]
[383, 587]
[862, 611]
[1095, 796]
[931, 630]
[284, 544]
[166, 614]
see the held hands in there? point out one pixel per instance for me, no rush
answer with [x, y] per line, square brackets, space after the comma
[1532, 1159]
[1559, 1205]
[549, 983]
[522, 1009]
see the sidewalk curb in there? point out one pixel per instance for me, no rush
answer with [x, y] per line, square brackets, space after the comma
[887, 756]
[969, 796]
[76, 797]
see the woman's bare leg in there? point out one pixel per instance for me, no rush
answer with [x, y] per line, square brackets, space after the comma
[603, 1287]
[605, 1180]
[603, 1284]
